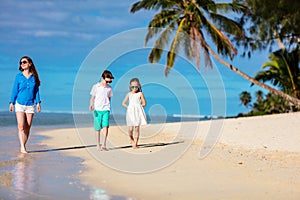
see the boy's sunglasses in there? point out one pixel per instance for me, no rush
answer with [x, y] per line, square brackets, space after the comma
[23, 62]
[108, 81]
[134, 87]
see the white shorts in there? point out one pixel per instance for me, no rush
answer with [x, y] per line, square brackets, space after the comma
[25, 109]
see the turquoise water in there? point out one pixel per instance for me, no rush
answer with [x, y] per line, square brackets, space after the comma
[64, 120]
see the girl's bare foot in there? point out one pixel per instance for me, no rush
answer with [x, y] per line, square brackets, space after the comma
[23, 150]
[131, 142]
[103, 148]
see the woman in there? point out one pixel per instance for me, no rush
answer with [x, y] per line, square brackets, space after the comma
[25, 95]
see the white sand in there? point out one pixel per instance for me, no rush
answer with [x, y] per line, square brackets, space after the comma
[252, 158]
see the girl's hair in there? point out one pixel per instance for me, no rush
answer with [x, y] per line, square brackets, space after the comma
[138, 82]
[31, 69]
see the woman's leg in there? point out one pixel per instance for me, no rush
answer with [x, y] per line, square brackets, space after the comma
[24, 124]
[21, 130]
[29, 117]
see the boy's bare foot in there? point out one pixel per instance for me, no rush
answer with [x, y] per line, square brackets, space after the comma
[98, 148]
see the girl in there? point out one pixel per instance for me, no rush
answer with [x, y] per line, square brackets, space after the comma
[135, 115]
[25, 95]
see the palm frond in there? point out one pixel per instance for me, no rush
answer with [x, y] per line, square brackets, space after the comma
[228, 25]
[205, 49]
[207, 5]
[160, 21]
[186, 42]
[231, 7]
[195, 43]
[160, 44]
[152, 5]
[224, 45]
[174, 49]
[155, 55]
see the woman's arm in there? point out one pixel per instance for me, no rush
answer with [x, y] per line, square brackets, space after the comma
[38, 107]
[11, 107]
[14, 93]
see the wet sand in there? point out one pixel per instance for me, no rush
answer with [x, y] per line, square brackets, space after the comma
[252, 158]
[43, 173]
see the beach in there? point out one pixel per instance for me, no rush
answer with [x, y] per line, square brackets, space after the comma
[237, 158]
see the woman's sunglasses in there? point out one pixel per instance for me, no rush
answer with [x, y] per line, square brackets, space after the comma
[134, 87]
[23, 62]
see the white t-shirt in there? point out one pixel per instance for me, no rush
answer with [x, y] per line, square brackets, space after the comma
[102, 95]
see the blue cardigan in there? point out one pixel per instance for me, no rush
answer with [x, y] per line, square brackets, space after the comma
[25, 91]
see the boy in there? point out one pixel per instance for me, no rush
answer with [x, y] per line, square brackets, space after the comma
[101, 94]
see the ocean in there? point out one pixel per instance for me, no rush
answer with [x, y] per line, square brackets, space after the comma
[69, 120]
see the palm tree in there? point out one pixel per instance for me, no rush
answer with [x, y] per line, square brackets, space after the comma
[246, 98]
[258, 106]
[187, 21]
[259, 95]
[275, 104]
[283, 71]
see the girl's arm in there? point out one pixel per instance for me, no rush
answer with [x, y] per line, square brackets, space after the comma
[125, 101]
[92, 103]
[143, 100]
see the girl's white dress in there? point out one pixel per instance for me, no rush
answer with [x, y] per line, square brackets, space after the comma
[135, 115]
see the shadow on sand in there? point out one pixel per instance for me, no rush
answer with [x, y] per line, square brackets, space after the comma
[113, 148]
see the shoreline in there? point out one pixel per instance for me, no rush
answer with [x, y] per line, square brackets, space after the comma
[255, 157]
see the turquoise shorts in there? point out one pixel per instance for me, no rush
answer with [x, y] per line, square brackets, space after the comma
[101, 119]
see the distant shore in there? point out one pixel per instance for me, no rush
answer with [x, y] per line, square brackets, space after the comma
[252, 158]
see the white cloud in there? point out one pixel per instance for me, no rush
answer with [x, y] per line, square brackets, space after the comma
[87, 19]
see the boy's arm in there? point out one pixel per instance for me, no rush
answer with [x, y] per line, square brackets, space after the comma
[92, 103]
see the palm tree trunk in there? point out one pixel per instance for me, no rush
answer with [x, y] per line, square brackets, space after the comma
[289, 98]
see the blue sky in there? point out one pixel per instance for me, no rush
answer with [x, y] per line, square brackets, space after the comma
[61, 35]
